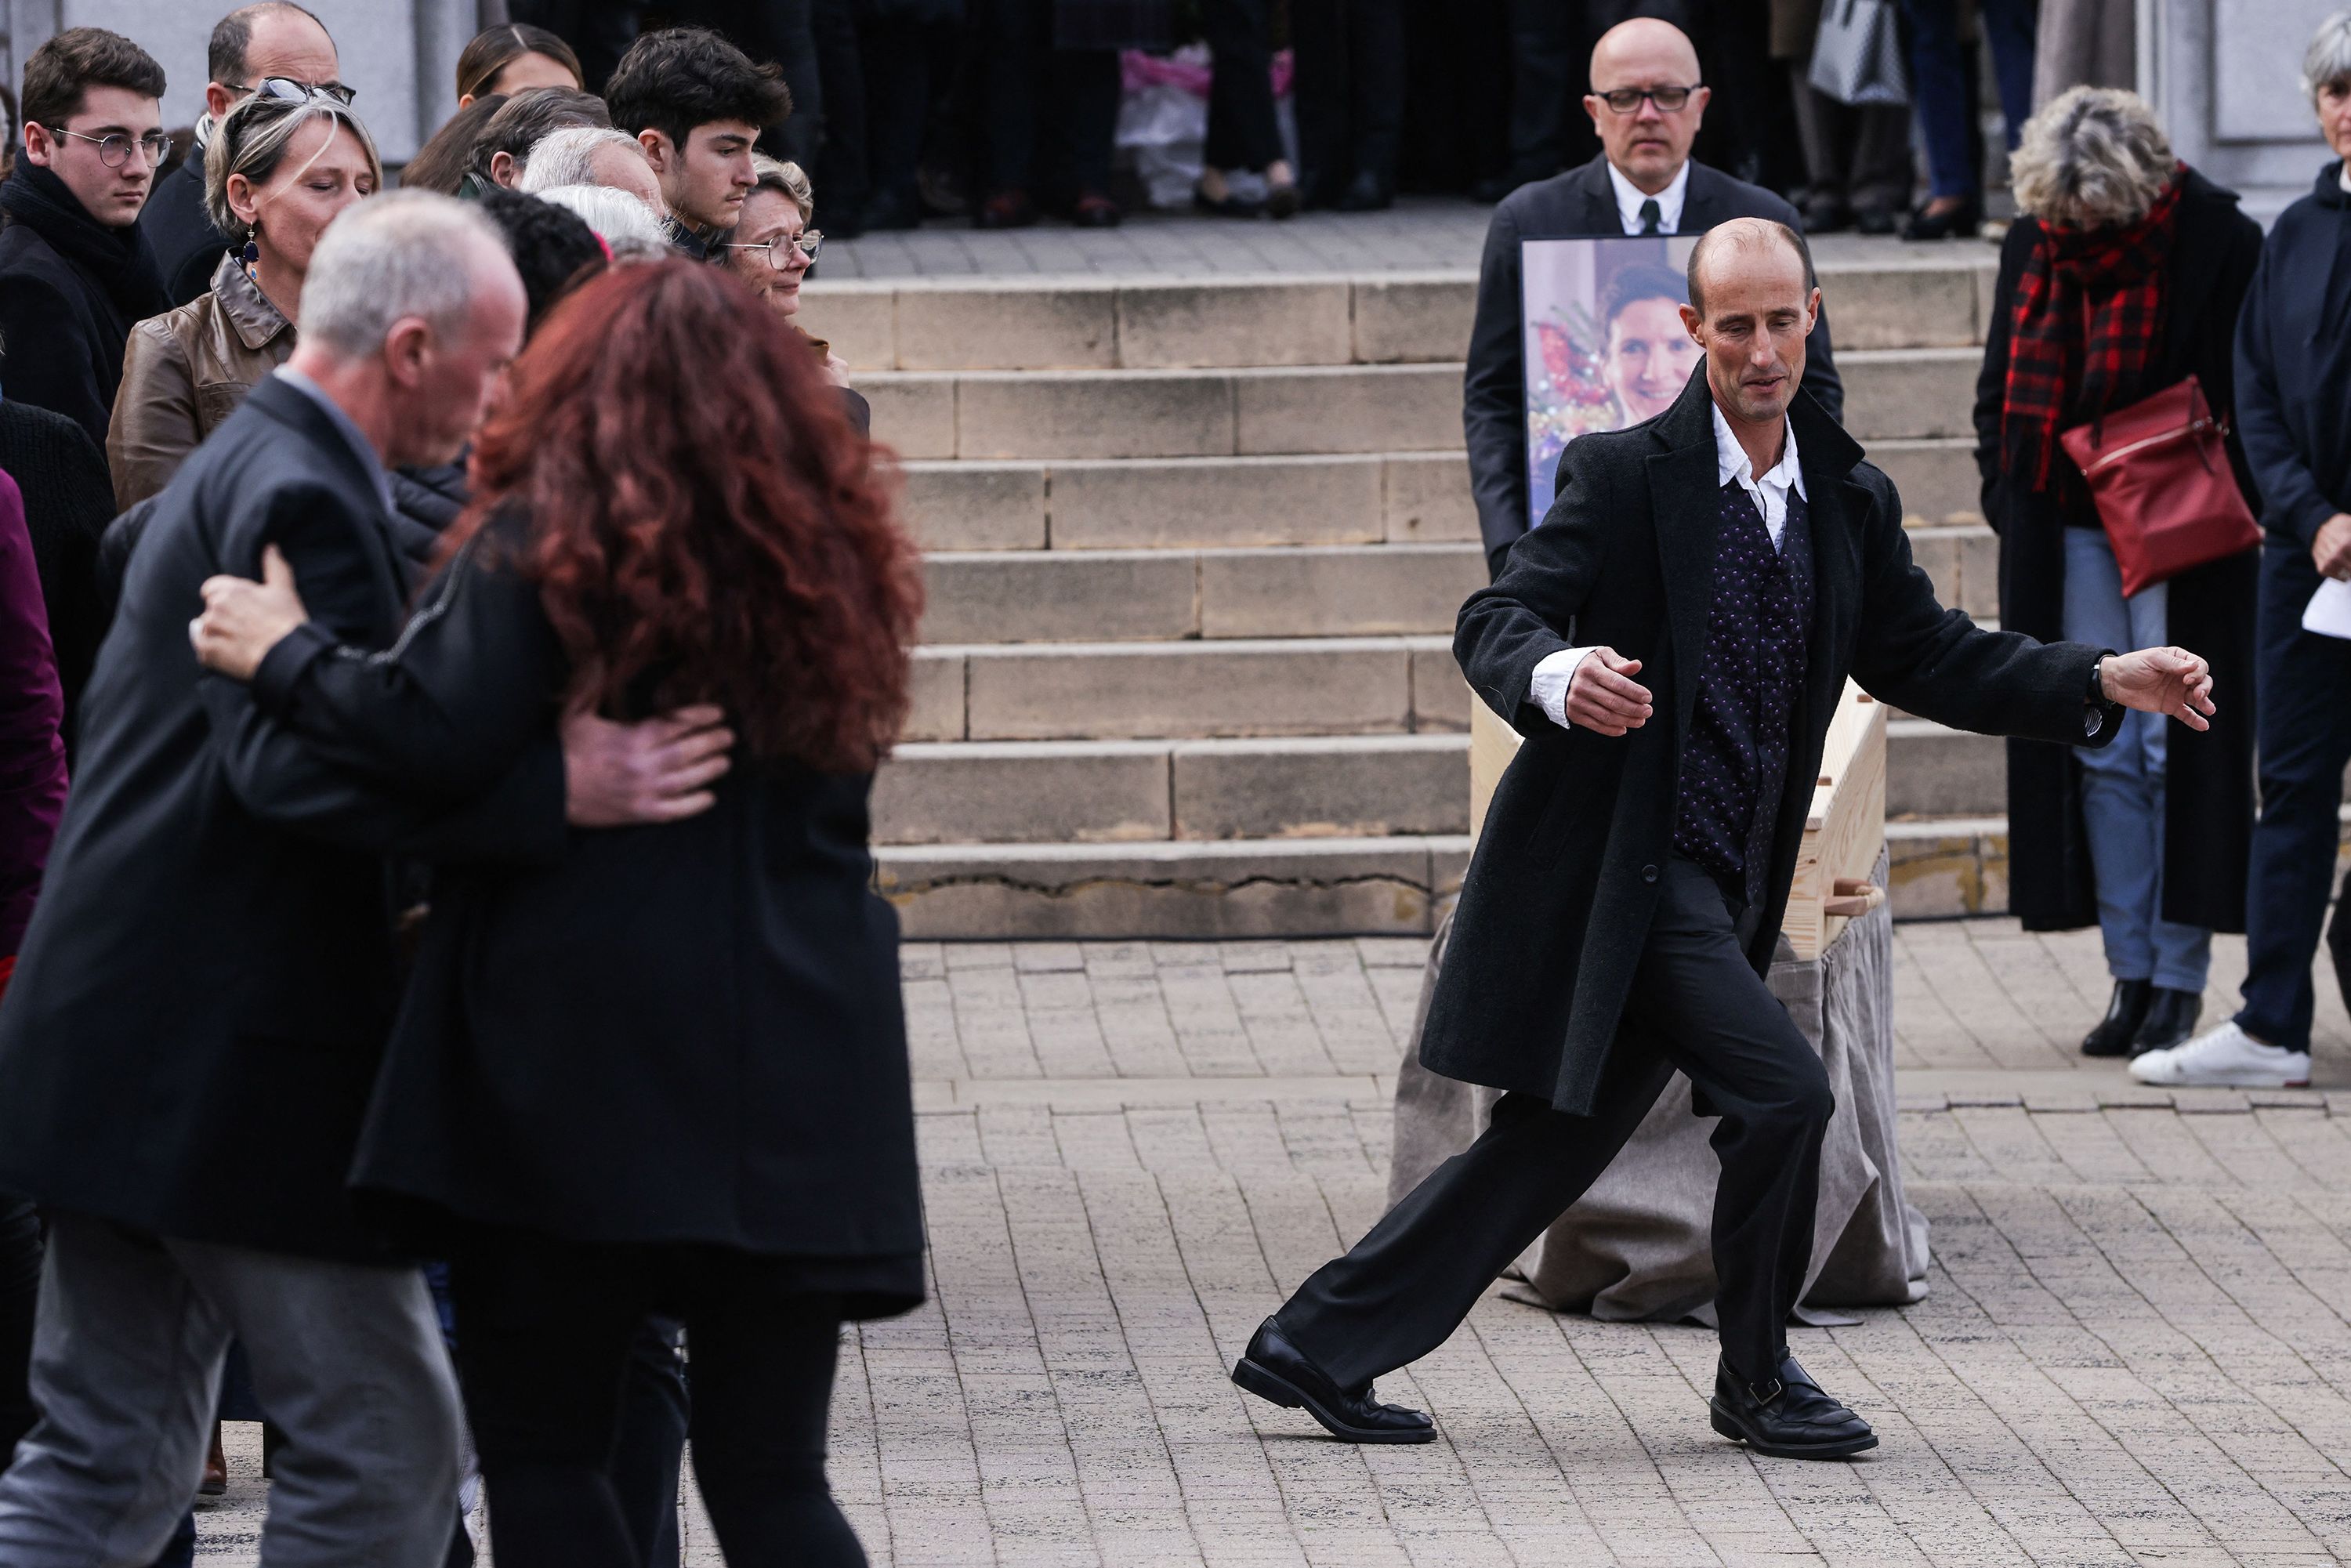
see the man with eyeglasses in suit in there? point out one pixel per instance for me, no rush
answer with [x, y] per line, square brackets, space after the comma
[75, 272]
[276, 40]
[1645, 102]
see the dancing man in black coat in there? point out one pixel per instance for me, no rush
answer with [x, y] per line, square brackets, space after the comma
[1673, 641]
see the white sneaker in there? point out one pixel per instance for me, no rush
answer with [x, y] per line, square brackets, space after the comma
[2224, 1058]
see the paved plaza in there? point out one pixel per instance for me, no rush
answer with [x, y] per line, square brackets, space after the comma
[2136, 1348]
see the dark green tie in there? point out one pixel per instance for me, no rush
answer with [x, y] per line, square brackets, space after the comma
[1652, 216]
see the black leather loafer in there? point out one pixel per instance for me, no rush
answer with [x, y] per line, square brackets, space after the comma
[2125, 1011]
[2171, 1018]
[1272, 1368]
[1788, 1417]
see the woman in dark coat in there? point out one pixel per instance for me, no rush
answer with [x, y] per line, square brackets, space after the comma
[2124, 278]
[670, 1075]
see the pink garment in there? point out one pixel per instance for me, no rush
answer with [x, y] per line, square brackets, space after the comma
[32, 707]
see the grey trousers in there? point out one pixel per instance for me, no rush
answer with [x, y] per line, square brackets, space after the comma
[126, 1355]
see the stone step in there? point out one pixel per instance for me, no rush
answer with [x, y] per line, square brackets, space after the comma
[1240, 888]
[1107, 791]
[1128, 596]
[996, 416]
[1931, 771]
[1396, 497]
[1238, 688]
[1395, 318]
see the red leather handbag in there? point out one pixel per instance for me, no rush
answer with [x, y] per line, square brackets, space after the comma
[2158, 471]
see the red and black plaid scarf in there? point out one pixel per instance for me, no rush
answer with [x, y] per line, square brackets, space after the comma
[2087, 312]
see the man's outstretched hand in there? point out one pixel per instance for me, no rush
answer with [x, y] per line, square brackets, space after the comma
[655, 770]
[2161, 680]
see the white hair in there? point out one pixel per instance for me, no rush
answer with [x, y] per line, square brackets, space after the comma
[568, 157]
[396, 256]
[2328, 59]
[615, 215]
[2094, 157]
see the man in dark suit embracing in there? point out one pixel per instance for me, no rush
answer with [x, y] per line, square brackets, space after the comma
[1672, 642]
[1646, 102]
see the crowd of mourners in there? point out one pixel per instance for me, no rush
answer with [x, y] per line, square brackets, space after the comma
[354, 942]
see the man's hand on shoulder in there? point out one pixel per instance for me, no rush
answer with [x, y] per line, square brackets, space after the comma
[655, 770]
[1603, 696]
[2160, 680]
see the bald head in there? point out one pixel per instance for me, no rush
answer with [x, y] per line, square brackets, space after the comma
[1647, 100]
[1748, 247]
[274, 38]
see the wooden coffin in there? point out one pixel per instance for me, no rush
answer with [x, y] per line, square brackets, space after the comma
[1844, 831]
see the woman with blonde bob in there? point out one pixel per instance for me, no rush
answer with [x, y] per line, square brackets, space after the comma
[276, 171]
[667, 1073]
[2121, 277]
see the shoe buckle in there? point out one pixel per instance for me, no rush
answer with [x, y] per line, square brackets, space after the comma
[1762, 1397]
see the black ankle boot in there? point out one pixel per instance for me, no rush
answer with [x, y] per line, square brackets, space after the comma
[2125, 1012]
[2171, 1018]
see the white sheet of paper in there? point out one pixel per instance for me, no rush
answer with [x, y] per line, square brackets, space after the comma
[2328, 613]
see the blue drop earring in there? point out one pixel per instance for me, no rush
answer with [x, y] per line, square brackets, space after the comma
[251, 252]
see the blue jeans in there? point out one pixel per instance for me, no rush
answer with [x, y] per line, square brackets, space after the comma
[2122, 783]
[1939, 80]
[2304, 728]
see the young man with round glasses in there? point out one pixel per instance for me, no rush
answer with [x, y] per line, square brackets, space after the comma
[1647, 101]
[276, 48]
[75, 273]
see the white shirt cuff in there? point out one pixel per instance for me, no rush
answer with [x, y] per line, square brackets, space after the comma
[1548, 686]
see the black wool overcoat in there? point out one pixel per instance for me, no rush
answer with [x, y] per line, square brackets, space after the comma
[690, 1032]
[1559, 895]
[202, 1000]
[2208, 801]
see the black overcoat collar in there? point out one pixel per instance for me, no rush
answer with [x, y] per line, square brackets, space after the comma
[1684, 501]
[291, 408]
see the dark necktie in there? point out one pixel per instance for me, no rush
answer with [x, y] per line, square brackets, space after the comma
[1652, 216]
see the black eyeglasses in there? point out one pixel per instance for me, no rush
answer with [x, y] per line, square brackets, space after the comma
[1668, 99]
[114, 149]
[286, 90]
[773, 252]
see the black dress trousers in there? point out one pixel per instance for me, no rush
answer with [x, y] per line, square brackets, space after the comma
[1407, 1286]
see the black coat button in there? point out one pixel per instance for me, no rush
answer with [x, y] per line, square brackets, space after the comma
[1648, 873]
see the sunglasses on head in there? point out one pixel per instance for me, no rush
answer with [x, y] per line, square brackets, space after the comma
[286, 90]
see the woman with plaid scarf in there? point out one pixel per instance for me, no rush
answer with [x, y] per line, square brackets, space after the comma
[2122, 276]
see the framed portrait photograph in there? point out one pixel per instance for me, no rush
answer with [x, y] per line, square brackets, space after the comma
[1604, 345]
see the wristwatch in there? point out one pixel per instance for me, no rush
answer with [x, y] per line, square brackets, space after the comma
[2094, 720]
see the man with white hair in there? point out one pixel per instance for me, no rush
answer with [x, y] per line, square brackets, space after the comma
[593, 155]
[188, 1053]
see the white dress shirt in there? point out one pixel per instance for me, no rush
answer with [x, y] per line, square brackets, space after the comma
[1548, 686]
[1630, 196]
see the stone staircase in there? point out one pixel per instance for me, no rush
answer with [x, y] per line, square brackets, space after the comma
[1193, 552]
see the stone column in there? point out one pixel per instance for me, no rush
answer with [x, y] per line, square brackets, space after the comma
[2227, 76]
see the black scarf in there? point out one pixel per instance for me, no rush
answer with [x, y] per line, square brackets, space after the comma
[119, 261]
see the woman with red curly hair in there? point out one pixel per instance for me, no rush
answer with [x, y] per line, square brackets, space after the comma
[669, 1074]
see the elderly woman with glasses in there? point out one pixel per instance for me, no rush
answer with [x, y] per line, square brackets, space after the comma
[277, 169]
[2121, 277]
[772, 247]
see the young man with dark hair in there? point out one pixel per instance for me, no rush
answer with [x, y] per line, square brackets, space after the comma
[76, 274]
[251, 44]
[697, 104]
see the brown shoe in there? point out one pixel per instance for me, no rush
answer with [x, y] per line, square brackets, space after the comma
[215, 1480]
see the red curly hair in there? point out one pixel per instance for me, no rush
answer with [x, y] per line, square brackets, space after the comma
[703, 523]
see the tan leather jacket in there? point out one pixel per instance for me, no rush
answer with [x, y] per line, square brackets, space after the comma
[185, 371]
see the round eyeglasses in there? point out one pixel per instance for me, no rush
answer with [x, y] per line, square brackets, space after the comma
[776, 252]
[286, 90]
[114, 149]
[1668, 99]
